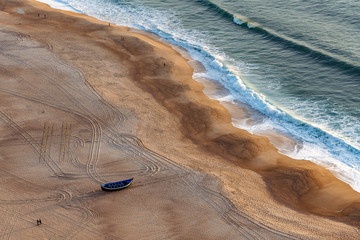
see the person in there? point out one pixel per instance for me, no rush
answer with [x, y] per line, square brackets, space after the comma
[37, 222]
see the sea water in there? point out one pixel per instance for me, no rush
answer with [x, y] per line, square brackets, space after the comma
[294, 64]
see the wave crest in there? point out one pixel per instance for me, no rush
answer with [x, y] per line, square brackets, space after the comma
[320, 55]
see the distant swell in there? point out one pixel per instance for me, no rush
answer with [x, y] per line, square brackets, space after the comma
[318, 54]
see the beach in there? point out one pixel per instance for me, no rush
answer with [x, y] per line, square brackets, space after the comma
[84, 102]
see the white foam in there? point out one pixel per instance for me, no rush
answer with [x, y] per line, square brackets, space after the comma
[238, 21]
[19, 10]
[59, 5]
[347, 173]
[227, 98]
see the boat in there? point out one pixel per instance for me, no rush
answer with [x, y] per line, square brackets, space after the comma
[114, 186]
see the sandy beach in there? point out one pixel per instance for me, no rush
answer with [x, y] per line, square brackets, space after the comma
[83, 103]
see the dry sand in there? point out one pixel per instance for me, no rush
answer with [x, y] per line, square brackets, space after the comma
[82, 103]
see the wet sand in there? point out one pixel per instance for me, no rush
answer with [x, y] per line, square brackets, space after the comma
[83, 103]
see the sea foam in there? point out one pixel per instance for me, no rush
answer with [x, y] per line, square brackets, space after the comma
[57, 4]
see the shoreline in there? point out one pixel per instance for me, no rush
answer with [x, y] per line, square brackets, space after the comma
[244, 117]
[205, 125]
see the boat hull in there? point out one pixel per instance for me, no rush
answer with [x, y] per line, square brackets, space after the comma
[116, 186]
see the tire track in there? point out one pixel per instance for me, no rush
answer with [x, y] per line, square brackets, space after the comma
[135, 145]
[95, 126]
[118, 115]
[130, 145]
[35, 146]
[248, 227]
[95, 139]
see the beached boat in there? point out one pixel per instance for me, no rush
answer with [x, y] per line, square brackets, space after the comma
[114, 186]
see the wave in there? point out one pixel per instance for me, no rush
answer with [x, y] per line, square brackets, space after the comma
[320, 55]
[318, 145]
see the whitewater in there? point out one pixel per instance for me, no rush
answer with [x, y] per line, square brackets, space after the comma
[333, 142]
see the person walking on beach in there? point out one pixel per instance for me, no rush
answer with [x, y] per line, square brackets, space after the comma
[38, 221]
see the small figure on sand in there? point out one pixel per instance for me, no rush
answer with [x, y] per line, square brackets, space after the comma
[38, 222]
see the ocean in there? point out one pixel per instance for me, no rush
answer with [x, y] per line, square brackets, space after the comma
[294, 65]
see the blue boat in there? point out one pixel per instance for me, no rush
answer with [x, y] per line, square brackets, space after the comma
[116, 185]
